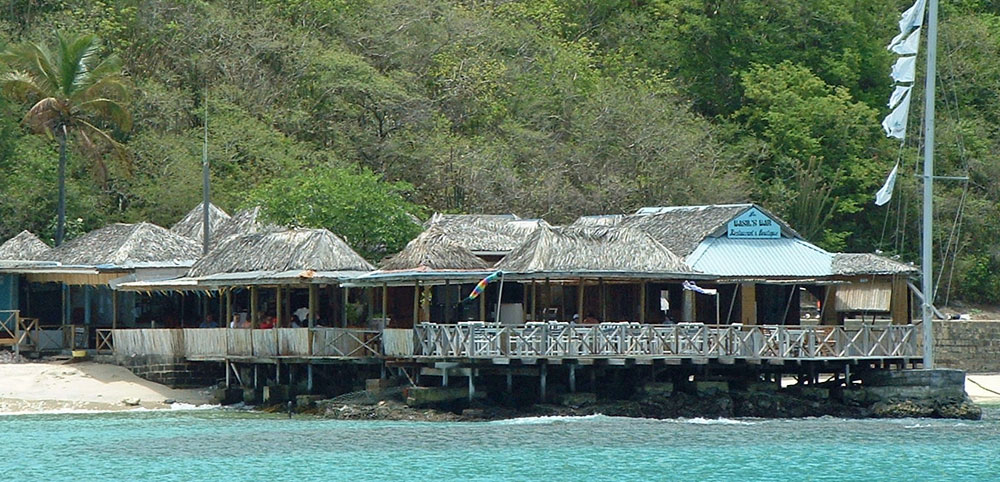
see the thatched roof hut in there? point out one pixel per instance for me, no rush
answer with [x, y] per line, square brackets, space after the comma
[593, 250]
[856, 264]
[127, 246]
[243, 222]
[682, 228]
[300, 249]
[24, 246]
[485, 234]
[432, 250]
[192, 225]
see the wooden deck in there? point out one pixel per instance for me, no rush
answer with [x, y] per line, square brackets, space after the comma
[693, 341]
[611, 343]
[259, 346]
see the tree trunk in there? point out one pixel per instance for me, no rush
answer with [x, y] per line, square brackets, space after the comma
[61, 221]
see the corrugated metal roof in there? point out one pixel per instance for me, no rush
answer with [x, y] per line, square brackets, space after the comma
[782, 257]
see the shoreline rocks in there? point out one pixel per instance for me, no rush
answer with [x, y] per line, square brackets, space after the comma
[912, 393]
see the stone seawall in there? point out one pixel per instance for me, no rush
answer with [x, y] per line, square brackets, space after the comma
[172, 372]
[973, 346]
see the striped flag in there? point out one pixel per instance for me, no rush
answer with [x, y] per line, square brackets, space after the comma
[481, 286]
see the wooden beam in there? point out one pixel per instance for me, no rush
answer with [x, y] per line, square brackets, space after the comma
[482, 306]
[534, 301]
[343, 306]
[580, 290]
[604, 301]
[748, 303]
[278, 306]
[313, 306]
[229, 309]
[416, 303]
[898, 304]
[385, 302]
[253, 307]
[642, 301]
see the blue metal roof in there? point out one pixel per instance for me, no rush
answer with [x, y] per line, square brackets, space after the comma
[781, 257]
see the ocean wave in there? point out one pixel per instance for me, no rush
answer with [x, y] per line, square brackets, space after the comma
[191, 406]
[550, 419]
[713, 421]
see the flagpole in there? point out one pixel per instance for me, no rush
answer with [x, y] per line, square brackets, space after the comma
[928, 230]
[499, 298]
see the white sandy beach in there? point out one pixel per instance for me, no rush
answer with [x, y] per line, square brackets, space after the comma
[55, 387]
[983, 388]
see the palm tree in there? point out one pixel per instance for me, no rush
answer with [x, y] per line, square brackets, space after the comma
[73, 93]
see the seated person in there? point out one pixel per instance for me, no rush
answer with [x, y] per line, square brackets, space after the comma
[209, 322]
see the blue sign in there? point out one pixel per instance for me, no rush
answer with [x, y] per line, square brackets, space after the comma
[753, 224]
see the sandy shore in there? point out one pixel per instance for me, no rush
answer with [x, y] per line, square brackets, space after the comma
[54, 387]
[983, 387]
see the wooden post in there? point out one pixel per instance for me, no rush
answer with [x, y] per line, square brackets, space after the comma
[604, 301]
[580, 290]
[688, 309]
[309, 378]
[253, 314]
[114, 309]
[828, 310]
[313, 306]
[278, 306]
[288, 308]
[510, 381]
[229, 309]
[86, 305]
[572, 378]
[385, 302]
[642, 301]
[343, 307]
[482, 306]
[898, 305]
[748, 303]
[447, 302]
[66, 305]
[534, 301]
[416, 303]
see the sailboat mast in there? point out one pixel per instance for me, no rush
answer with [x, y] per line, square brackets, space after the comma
[928, 217]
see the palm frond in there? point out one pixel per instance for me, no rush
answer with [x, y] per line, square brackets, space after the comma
[20, 86]
[111, 87]
[109, 109]
[75, 56]
[107, 68]
[45, 115]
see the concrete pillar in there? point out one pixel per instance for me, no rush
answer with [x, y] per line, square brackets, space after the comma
[542, 382]
[748, 303]
[572, 378]
[510, 381]
[472, 383]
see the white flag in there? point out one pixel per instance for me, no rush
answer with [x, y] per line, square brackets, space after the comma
[906, 44]
[895, 123]
[690, 286]
[898, 94]
[904, 69]
[885, 194]
[913, 17]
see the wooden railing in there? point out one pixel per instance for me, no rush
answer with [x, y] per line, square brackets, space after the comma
[222, 343]
[103, 339]
[17, 332]
[684, 340]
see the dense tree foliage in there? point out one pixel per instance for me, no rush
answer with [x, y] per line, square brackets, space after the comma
[550, 108]
[381, 223]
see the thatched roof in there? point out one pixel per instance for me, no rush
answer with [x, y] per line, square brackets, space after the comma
[848, 264]
[294, 249]
[595, 249]
[432, 250]
[599, 220]
[127, 245]
[682, 228]
[192, 227]
[24, 246]
[241, 223]
[485, 233]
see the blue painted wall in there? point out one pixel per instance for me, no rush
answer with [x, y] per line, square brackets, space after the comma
[8, 291]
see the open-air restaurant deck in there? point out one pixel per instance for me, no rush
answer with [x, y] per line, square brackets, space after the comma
[685, 286]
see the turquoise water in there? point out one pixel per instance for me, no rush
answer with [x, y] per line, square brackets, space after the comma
[230, 445]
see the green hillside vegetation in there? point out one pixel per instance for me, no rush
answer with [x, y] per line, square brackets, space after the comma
[547, 108]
